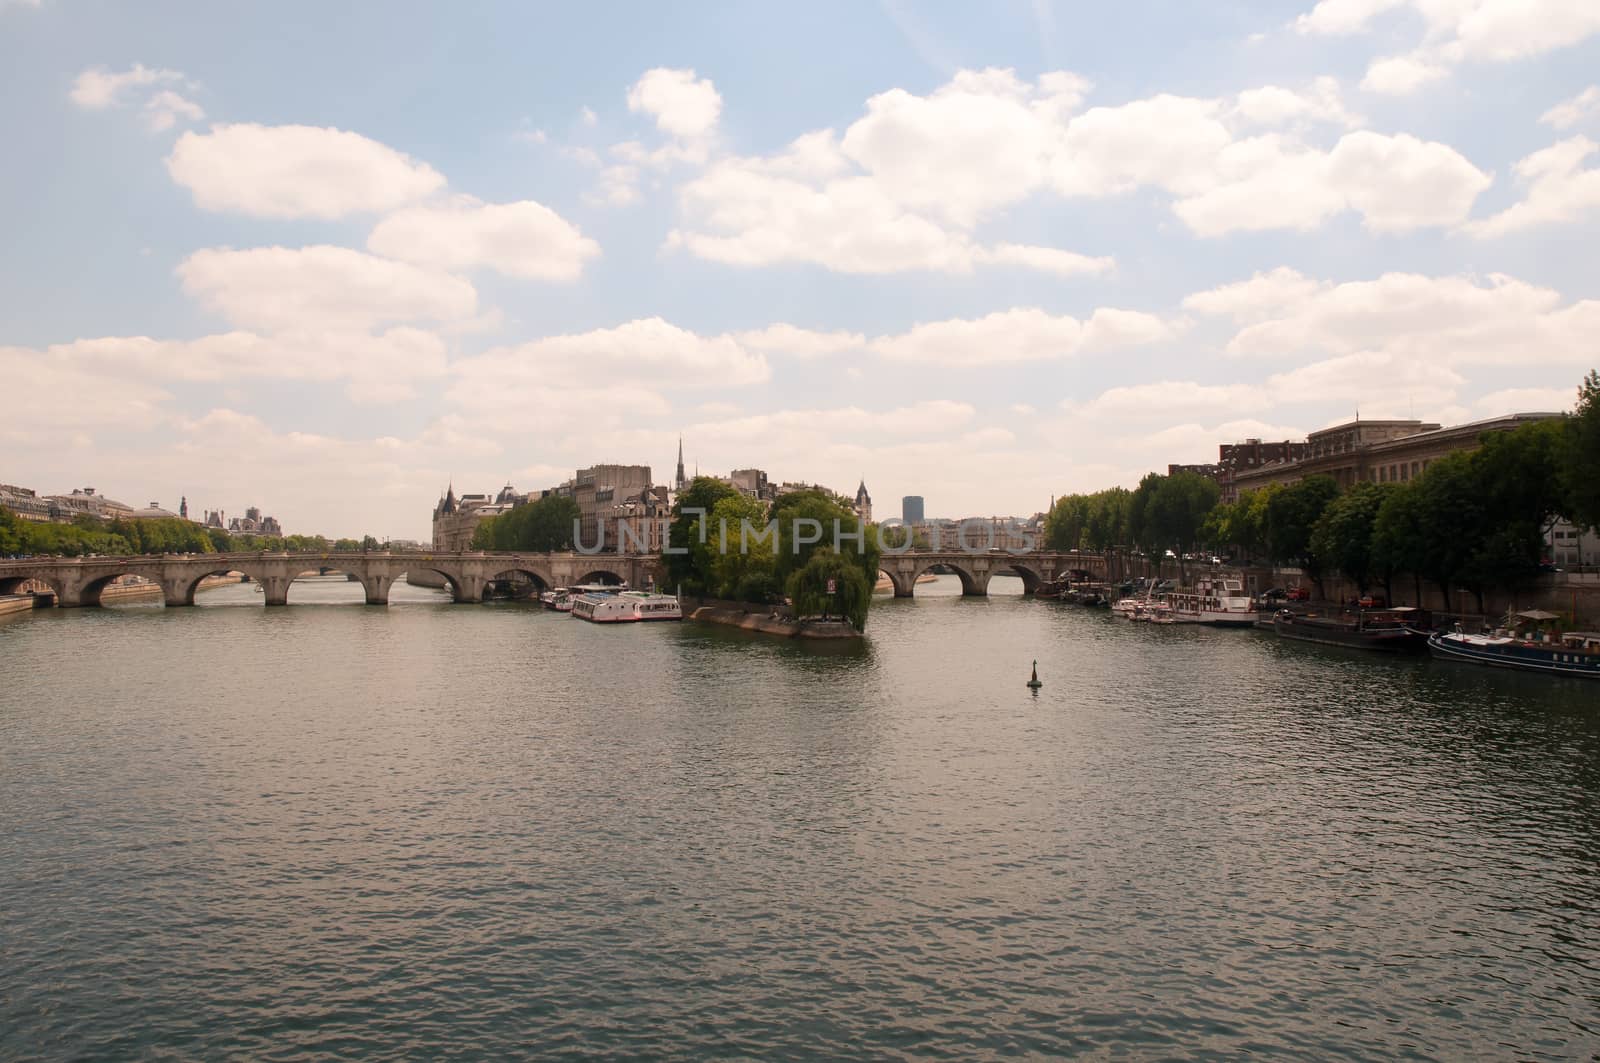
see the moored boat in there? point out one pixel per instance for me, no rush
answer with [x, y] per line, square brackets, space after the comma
[1220, 602]
[626, 607]
[1576, 653]
[1398, 630]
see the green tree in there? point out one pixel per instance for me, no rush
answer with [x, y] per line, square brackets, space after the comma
[1291, 513]
[688, 559]
[808, 514]
[1342, 537]
[851, 594]
[741, 564]
[1177, 511]
[540, 526]
[1067, 522]
[1397, 540]
[894, 536]
[1107, 526]
[1580, 479]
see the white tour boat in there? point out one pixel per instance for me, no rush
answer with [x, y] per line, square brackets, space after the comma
[1220, 602]
[626, 607]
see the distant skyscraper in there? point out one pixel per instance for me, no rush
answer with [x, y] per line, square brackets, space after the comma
[911, 509]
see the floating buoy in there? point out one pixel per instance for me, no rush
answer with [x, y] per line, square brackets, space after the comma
[1033, 683]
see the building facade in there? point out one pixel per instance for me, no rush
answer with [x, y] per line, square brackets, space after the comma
[25, 503]
[1377, 451]
[84, 502]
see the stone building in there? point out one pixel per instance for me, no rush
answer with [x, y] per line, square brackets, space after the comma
[863, 503]
[253, 523]
[1570, 547]
[25, 503]
[752, 483]
[1243, 457]
[1377, 451]
[455, 520]
[83, 501]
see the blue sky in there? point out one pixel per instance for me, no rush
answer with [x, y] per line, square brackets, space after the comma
[326, 260]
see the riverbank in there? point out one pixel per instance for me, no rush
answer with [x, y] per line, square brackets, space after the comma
[16, 603]
[768, 621]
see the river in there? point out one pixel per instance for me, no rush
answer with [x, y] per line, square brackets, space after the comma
[492, 831]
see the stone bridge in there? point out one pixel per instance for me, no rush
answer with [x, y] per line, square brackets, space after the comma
[975, 569]
[78, 581]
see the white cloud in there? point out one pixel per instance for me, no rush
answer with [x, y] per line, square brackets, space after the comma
[87, 398]
[797, 342]
[790, 430]
[1044, 259]
[1354, 380]
[1259, 297]
[97, 89]
[908, 182]
[1569, 113]
[162, 110]
[683, 105]
[1400, 182]
[1020, 335]
[1559, 189]
[1401, 75]
[617, 186]
[1439, 321]
[1457, 31]
[295, 171]
[1343, 16]
[375, 368]
[1269, 181]
[1274, 105]
[975, 144]
[645, 354]
[522, 239]
[1527, 400]
[321, 287]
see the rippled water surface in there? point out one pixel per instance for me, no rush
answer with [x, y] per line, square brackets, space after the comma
[491, 831]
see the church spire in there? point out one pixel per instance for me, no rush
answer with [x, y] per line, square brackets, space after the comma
[678, 484]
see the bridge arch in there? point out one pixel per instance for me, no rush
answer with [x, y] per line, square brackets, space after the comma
[13, 584]
[181, 589]
[602, 575]
[971, 585]
[1027, 573]
[453, 581]
[541, 581]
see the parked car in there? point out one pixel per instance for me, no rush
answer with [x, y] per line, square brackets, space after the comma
[1274, 594]
[1298, 594]
[1372, 601]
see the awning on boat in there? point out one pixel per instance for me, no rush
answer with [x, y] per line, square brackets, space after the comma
[1538, 614]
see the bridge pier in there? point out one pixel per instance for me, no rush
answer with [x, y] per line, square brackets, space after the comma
[275, 589]
[468, 588]
[377, 588]
[176, 592]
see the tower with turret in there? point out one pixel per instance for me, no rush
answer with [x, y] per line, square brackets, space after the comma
[863, 505]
